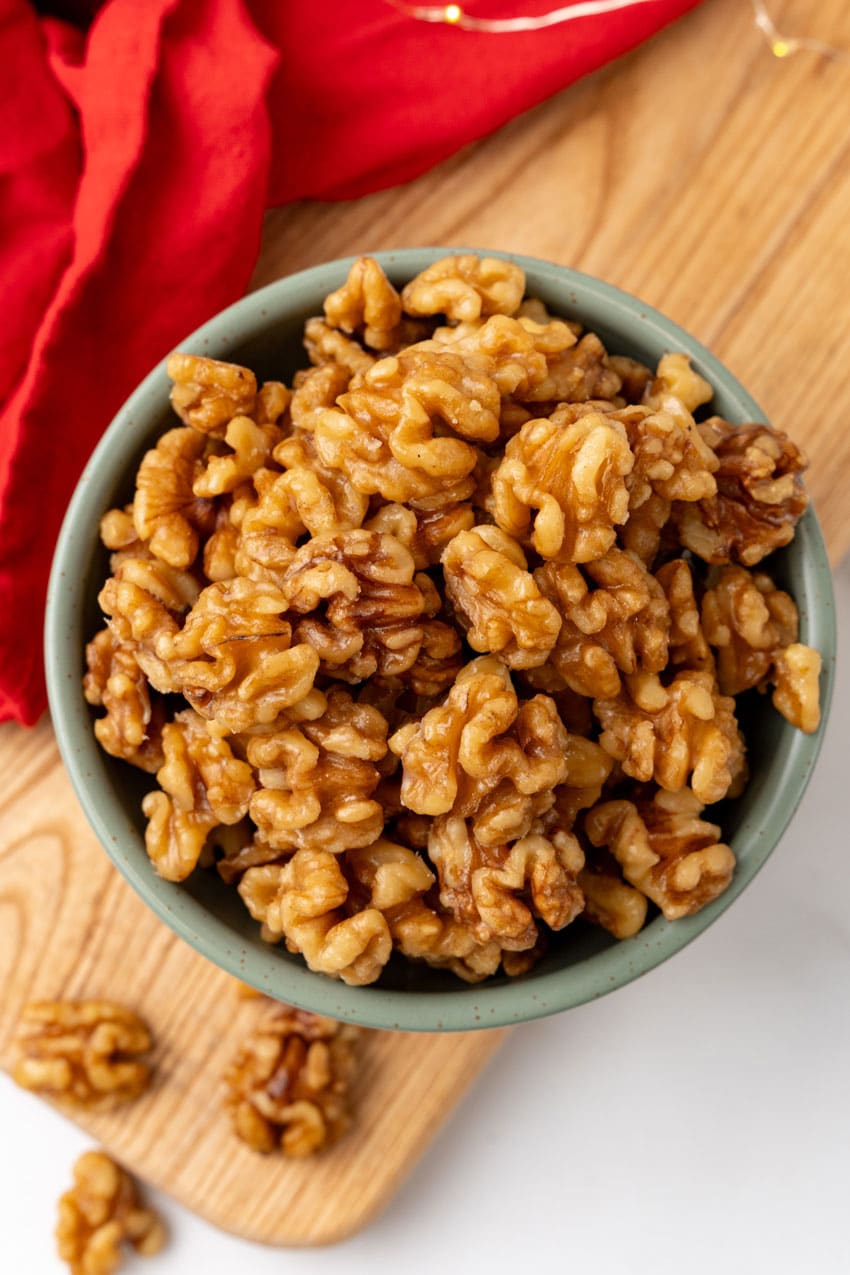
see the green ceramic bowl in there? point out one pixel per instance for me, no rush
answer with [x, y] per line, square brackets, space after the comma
[263, 331]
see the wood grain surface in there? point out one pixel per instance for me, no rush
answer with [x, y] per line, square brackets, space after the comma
[714, 182]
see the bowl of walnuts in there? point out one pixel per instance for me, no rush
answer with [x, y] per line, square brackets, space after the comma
[439, 639]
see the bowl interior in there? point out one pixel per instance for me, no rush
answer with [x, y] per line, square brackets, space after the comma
[264, 332]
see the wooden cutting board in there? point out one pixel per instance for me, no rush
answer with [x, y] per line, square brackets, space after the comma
[686, 173]
[70, 926]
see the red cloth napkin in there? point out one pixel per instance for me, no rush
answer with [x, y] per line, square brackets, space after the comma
[136, 160]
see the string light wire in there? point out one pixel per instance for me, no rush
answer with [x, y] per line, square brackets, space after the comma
[453, 15]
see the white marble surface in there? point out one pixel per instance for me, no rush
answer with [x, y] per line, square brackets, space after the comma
[695, 1122]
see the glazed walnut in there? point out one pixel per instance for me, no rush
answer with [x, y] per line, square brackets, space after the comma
[665, 850]
[486, 887]
[145, 601]
[753, 626]
[87, 1054]
[674, 375]
[288, 1084]
[314, 389]
[395, 431]
[326, 345]
[615, 620]
[207, 394]
[579, 373]
[250, 447]
[685, 730]
[671, 459]
[367, 303]
[234, 659]
[760, 495]
[321, 499]
[167, 512]
[464, 288]
[489, 585]
[519, 354]
[201, 785]
[611, 903]
[132, 726]
[302, 901]
[361, 603]
[573, 476]
[398, 881]
[316, 779]
[425, 532]
[101, 1212]
[482, 749]
[687, 645]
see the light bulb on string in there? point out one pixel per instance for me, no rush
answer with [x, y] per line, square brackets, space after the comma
[454, 15]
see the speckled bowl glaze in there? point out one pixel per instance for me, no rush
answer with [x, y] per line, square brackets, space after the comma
[263, 331]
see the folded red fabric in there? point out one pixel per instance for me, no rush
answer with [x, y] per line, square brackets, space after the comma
[136, 160]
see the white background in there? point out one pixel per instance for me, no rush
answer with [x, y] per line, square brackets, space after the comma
[695, 1122]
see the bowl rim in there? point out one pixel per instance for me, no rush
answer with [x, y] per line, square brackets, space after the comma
[469, 1007]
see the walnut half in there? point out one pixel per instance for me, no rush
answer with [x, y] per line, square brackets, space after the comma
[287, 1084]
[83, 1053]
[101, 1212]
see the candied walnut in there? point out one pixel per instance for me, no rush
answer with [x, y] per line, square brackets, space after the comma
[167, 512]
[250, 448]
[83, 1053]
[796, 677]
[302, 901]
[491, 589]
[687, 646]
[517, 353]
[578, 373]
[754, 628]
[439, 661]
[425, 532]
[610, 903]
[320, 499]
[486, 887]
[674, 375]
[144, 600]
[615, 619]
[397, 880]
[220, 549]
[101, 1212]
[118, 529]
[132, 727]
[634, 376]
[464, 288]
[748, 620]
[315, 389]
[233, 659]
[201, 785]
[760, 495]
[573, 476]
[272, 401]
[641, 533]
[371, 606]
[316, 780]
[367, 303]
[389, 432]
[288, 1084]
[588, 767]
[671, 460]
[668, 733]
[665, 850]
[325, 344]
[208, 393]
[482, 754]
